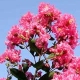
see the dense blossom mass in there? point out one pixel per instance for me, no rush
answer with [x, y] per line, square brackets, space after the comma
[63, 54]
[48, 33]
[65, 29]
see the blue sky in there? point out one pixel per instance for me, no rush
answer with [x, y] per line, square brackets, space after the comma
[12, 10]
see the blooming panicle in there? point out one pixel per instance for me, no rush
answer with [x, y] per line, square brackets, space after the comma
[75, 64]
[47, 14]
[13, 35]
[34, 33]
[12, 55]
[42, 41]
[36, 29]
[67, 75]
[63, 54]
[65, 29]
[49, 10]
[17, 36]
[26, 20]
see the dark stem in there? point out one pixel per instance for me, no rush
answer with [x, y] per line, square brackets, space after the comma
[34, 59]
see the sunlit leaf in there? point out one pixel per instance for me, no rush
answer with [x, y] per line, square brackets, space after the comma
[51, 56]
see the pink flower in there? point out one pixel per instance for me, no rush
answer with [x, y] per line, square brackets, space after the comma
[13, 35]
[47, 14]
[36, 29]
[26, 20]
[12, 55]
[63, 54]
[75, 64]
[65, 30]
[42, 41]
[10, 44]
[17, 35]
[49, 10]
[2, 58]
[2, 78]
[67, 75]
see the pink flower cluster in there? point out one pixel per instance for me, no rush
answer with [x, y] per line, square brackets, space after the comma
[65, 30]
[41, 28]
[49, 19]
[73, 72]
[47, 14]
[68, 75]
[41, 42]
[11, 55]
[30, 25]
[63, 53]
[17, 36]
[75, 64]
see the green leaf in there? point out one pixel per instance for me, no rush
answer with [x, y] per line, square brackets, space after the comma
[45, 68]
[45, 77]
[25, 67]
[38, 65]
[18, 74]
[51, 74]
[51, 56]
[33, 47]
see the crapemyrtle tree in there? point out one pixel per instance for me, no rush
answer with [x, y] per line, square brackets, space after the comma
[50, 37]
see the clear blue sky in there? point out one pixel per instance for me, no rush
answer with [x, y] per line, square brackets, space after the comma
[12, 10]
